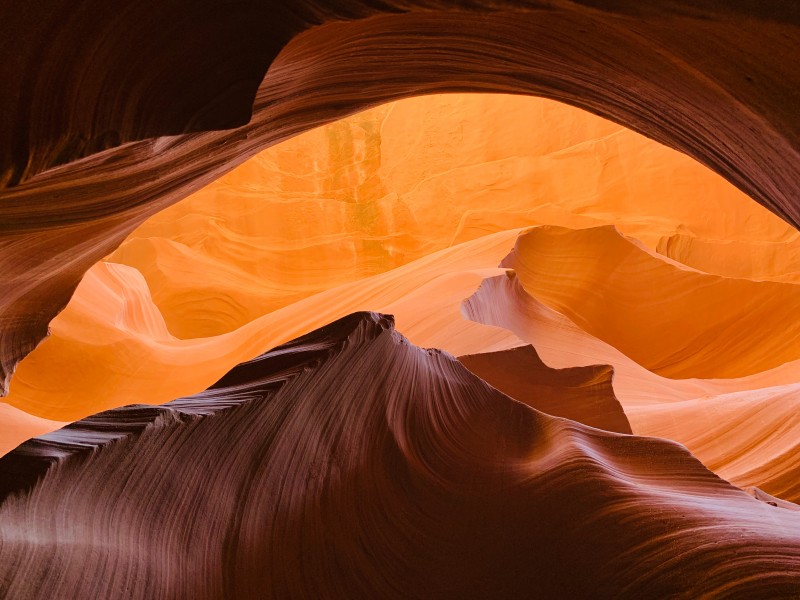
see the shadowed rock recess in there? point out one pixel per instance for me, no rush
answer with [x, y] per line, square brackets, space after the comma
[351, 464]
[109, 113]
[583, 394]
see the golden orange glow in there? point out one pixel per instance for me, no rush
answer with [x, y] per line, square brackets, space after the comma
[631, 242]
[400, 181]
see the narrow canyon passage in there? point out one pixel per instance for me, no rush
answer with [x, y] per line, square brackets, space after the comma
[545, 256]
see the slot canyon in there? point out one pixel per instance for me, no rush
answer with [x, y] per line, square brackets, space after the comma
[363, 299]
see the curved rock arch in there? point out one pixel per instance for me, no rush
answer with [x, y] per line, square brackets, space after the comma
[716, 80]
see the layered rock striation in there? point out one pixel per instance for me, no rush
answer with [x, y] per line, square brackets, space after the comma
[583, 394]
[350, 463]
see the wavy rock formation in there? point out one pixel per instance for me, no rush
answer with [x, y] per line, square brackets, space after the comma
[665, 69]
[370, 193]
[743, 429]
[111, 347]
[751, 259]
[349, 463]
[582, 394]
[671, 319]
[501, 301]
[749, 438]
[341, 202]
[258, 486]
[18, 426]
[772, 500]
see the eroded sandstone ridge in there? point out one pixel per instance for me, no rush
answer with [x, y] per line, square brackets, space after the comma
[483, 222]
[349, 463]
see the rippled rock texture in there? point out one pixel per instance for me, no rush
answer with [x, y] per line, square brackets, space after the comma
[350, 463]
[479, 245]
[582, 394]
[568, 292]
[404, 208]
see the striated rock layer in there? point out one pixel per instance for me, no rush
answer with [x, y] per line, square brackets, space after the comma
[749, 438]
[389, 185]
[285, 242]
[111, 346]
[503, 302]
[740, 259]
[582, 394]
[675, 321]
[716, 80]
[744, 429]
[257, 488]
